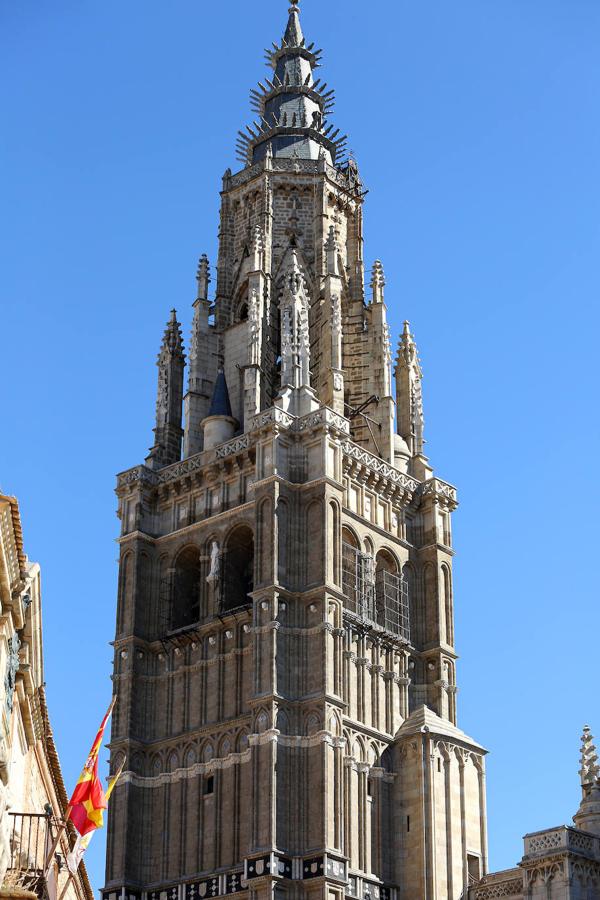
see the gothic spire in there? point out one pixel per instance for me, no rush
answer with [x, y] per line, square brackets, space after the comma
[171, 362]
[292, 106]
[293, 34]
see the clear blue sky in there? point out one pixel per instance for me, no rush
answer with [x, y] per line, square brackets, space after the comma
[476, 127]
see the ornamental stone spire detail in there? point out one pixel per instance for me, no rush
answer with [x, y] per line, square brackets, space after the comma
[296, 395]
[168, 431]
[409, 400]
[589, 771]
[588, 815]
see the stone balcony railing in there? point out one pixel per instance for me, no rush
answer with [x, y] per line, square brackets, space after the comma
[508, 883]
[556, 840]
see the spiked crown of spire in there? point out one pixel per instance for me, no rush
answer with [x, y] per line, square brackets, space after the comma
[172, 342]
[292, 106]
[408, 355]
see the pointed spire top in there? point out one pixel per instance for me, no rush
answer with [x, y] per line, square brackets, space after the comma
[203, 277]
[378, 281]
[293, 34]
[407, 351]
[172, 342]
[220, 403]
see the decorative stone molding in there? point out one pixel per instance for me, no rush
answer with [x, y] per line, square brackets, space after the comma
[233, 447]
[512, 887]
[374, 465]
[440, 491]
[181, 774]
[139, 473]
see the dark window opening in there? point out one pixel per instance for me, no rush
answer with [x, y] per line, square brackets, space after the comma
[185, 607]
[238, 569]
[208, 786]
[408, 823]
[474, 867]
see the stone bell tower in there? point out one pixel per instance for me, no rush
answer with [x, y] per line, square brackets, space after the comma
[284, 649]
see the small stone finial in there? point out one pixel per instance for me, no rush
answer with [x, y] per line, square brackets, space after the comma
[203, 277]
[589, 771]
[293, 34]
[378, 281]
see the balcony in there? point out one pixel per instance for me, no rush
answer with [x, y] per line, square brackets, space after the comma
[31, 837]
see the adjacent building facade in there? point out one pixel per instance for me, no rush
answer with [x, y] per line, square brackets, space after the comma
[285, 657]
[561, 863]
[33, 798]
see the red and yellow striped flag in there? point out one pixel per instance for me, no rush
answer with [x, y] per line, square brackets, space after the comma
[88, 801]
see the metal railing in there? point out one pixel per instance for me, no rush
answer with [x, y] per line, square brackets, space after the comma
[31, 837]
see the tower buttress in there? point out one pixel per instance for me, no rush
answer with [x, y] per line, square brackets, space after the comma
[168, 432]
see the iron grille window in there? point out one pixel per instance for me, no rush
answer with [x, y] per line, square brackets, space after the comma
[379, 597]
[393, 612]
[358, 581]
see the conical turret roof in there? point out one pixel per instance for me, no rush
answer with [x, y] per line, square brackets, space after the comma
[220, 404]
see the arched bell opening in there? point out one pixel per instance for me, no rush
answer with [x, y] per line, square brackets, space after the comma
[238, 569]
[185, 602]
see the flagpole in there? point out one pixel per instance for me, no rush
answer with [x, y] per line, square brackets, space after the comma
[59, 834]
[67, 883]
[62, 827]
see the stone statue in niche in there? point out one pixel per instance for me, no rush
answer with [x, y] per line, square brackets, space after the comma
[254, 327]
[12, 665]
[214, 574]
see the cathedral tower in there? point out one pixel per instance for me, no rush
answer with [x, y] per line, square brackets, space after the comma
[284, 649]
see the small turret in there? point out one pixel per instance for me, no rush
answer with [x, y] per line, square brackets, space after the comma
[168, 432]
[588, 815]
[220, 425]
